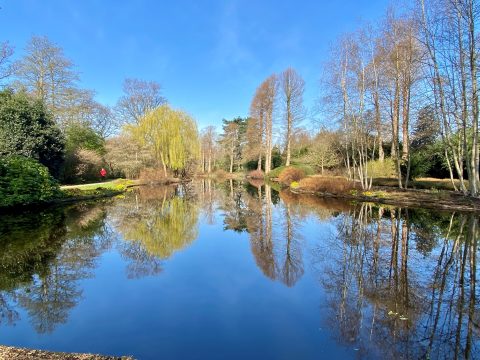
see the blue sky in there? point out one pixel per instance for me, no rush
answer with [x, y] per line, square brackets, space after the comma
[209, 56]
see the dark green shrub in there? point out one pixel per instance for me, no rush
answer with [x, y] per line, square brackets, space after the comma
[27, 129]
[25, 181]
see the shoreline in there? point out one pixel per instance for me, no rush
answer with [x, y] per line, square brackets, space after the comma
[17, 353]
[409, 198]
[78, 195]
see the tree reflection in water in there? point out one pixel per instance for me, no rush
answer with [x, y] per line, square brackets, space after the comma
[155, 222]
[207, 192]
[253, 209]
[234, 207]
[43, 256]
[393, 299]
[399, 283]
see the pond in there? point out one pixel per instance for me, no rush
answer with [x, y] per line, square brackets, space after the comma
[233, 270]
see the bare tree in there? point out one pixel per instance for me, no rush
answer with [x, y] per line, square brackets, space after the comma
[268, 90]
[291, 88]
[256, 129]
[6, 67]
[260, 125]
[127, 157]
[139, 98]
[374, 82]
[448, 32]
[48, 75]
[323, 151]
[102, 119]
[233, 139]
[402, 60]
[348, 81]
[208, 148]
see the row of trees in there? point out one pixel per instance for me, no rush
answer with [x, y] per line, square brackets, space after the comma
[276, 104]
[403, 92]
[418, 65]
[404, 89]
[277, 94]
[75, 134]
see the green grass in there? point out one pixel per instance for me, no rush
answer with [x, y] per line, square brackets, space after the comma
[96, 189]
[117, 184]
[420, 183]
[275, 172]
[378, 169]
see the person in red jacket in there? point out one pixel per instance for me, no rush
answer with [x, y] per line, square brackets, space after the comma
[103, 173]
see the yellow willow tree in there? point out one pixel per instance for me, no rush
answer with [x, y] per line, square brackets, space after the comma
[171, 135]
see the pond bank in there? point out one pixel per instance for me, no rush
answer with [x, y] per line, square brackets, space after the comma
[84, 192]
[435, 200]
[13, 353]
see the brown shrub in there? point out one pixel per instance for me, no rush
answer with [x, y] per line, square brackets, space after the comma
[155, 193]
[220, 174]
[87, 164]
[151, 175]
[290, 174]
[256, 174]
[312, 203]
[334, 185]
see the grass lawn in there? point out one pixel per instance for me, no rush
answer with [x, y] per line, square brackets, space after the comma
[420, 183]
[106, 188]
[334, 183]
[116, 184]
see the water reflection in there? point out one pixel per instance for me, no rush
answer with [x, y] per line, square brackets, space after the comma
[401, 283]
[155, 222]
[393, 301]
[396, 283]
[43, 257]
[271, 225]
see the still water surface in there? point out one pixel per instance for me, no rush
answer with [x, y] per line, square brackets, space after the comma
[240, 271]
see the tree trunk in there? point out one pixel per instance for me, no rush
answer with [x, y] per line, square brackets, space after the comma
[378, 124]
[268, 155]
[395, 132]
[287, 163]
[289, 130]
[164, 165]
[232, 155]
[405, 113]
[209, 163]
[473, 53]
